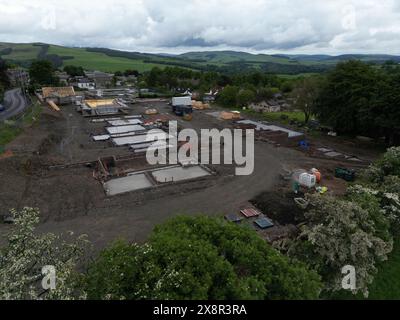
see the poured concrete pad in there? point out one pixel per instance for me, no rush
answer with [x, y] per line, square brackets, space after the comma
[125, 129]
[124, 122]
[333, 154]
[179, 174]
[127, 184]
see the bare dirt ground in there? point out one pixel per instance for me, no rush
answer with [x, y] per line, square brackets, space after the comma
[70, 199]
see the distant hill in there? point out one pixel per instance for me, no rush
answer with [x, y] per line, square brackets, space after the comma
[109, 60]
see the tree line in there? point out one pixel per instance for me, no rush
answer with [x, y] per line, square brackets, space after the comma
[358, 98]
[4, 81]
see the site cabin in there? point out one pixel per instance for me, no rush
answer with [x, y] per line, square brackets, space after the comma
[182, 101]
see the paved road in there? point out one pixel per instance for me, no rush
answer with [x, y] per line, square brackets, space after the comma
[14, 103]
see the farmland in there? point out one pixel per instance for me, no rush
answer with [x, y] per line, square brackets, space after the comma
[99, 61]
[108, 60]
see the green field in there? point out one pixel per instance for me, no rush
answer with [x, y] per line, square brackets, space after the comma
[386, 285]
[24, 52]
[224, 57]
[100, 61]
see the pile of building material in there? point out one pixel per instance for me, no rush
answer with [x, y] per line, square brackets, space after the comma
[159, 118]
[232, 115]
[53, 106]
[151, 111]
[250, 212]
[199, 105]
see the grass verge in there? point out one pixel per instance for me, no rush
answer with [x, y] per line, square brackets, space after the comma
[12, 128]
[386, 285]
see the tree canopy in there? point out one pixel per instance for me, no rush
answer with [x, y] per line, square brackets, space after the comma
[74, 71]
[306, 94]
[358, 98]
[42, 72]
[199, 258]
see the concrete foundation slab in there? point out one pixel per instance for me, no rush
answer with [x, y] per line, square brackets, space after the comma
[179, 174]
[124, 122]
[144, 138]
[125, 129]
[324, 150]
[127, 184]
[262, 126]
[333, 154]
[104, 137]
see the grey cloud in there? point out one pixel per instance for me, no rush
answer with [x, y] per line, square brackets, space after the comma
[259, 25]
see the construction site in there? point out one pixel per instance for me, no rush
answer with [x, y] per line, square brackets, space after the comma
[83, 164]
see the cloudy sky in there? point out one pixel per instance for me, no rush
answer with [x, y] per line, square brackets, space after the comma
[174, 26]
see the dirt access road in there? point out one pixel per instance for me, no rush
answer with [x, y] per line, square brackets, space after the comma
[14, 103]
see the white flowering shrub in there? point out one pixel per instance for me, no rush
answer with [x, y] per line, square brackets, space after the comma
[389, 165]
[340, 233]
[26, 253]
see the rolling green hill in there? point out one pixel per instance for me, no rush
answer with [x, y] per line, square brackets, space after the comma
[224, 57]
[19, 52]
[109, 60]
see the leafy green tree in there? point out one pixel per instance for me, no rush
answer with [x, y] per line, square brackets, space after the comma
[26, 253]
[130, 72]
[244, 97]
[199, 258]
[74, 71]
[306, 94]
[1, 93]
[153, 78]
[4, 80]
[386, 114]
[348, 97]
[42, 72]
[228, 96]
